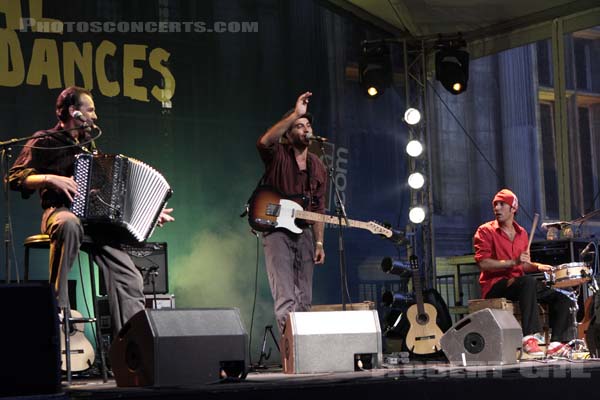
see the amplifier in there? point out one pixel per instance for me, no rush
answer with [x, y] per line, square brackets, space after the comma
[151, 260]
[161, 301]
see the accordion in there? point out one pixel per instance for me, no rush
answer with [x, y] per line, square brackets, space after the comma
[118, 195]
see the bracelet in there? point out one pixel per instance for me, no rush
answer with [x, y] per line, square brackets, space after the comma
[319, 244]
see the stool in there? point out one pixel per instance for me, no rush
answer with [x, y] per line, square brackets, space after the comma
[42, 241]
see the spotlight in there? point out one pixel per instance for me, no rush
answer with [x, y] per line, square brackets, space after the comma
[452, 69]
[402, 300]
[416, 180]
[414, 148]
[412, 116]
[390, 266]
[374, 68]
[416, 215]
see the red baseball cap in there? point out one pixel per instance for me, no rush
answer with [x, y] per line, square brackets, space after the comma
[507, 197]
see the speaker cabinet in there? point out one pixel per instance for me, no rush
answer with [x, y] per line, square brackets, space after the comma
[331, 341]
[485, 337]
[30, 340]
[180, 347]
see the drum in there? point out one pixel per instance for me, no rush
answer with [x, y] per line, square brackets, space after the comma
[570, 274]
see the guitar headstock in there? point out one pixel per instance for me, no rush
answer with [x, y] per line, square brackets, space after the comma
[387, 231]
[378, 229]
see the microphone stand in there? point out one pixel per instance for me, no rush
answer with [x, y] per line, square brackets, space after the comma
[5, 152]
[342, 218]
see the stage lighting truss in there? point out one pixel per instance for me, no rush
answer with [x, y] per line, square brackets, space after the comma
[452, 69]
[374, 69]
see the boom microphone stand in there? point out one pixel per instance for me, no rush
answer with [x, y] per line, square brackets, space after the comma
[342, 219]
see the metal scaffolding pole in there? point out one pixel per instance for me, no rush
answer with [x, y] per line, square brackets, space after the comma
[415, 75]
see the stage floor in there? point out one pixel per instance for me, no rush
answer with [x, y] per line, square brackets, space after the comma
[551, 377]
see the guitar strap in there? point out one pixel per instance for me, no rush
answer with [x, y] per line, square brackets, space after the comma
[309, 189]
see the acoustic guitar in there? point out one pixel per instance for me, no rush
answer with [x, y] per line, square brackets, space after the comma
[82, 351]
[269, 210]
[424, 334]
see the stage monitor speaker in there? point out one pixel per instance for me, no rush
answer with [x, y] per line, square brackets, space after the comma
[485, 337]
[180, 347]
[331, 341]
[30, 340]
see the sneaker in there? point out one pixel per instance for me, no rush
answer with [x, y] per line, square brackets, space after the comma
[557, 349]
[531, 347]
[540, 338]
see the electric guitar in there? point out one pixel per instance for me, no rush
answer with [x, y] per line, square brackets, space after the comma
[424, 335]
[268, 210]
[82, 352]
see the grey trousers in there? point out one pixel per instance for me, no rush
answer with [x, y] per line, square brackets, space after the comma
[124, 283]
[289, 263]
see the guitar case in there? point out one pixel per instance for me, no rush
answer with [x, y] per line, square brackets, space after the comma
[443, 320]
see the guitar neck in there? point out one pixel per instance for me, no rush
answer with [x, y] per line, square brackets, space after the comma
[417, 284]
[330, 219]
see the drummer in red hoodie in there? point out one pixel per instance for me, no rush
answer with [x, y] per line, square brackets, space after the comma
[501, 252]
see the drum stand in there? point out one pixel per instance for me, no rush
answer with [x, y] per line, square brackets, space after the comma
[573, 295]
[575, 344]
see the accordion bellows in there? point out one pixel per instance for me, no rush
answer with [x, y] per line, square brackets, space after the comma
[119, 195]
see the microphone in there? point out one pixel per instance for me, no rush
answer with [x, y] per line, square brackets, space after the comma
[78, 115]
[316, 138]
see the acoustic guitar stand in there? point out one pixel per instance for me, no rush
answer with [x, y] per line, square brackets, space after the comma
[67, 321]
[265, 356]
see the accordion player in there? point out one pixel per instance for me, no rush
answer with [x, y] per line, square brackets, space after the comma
[118, 196]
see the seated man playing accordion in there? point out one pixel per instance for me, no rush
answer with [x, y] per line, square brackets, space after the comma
[46, 164]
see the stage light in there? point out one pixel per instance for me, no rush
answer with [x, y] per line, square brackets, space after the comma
[416, 180]
[416, 215]
[374, 68]
[412, 116]
[414, 148]
[392, 299]
[452, 69]
[396, 267]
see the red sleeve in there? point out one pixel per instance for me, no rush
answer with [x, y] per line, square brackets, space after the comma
[482, 242]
